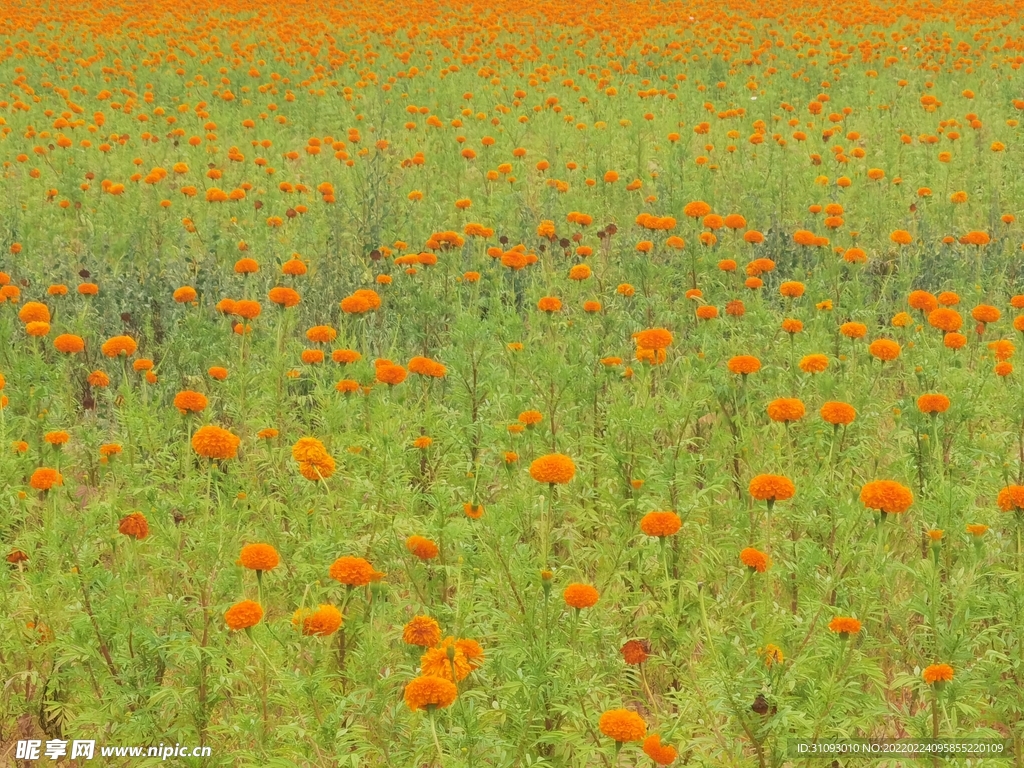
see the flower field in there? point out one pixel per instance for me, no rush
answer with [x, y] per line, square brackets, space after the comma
[511, 384]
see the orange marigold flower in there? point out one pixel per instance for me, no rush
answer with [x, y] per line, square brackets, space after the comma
[530, 418]
[933, 403]
[954, 340]
[248, 309]
[744, 365]
[976, 529]
[661, 754]
[707, 312]
[323, 622]
[791, 289]
[185, 294]
[283, 296]
[838, 413]
[937, 673]
[660, 524]
[785, 409]
[884, 349]
[923, 301]
[462, 655]
[57, 438]
[579, 596]
[653, 338]
[34, 312]
[755, 560]
[430, 693]
[243, 615]
[816, 363]
[134, 526]
[549, 304]
[698, 209]
[215, 442]
[422, 631]
[944, 319]
[321, 334]
[69, 344]
[353, 571]
[421, 547]
[218, 373]
[948, 299]
[853, 330]
[791, 326]
[190, 402]
[259, 557]
[844, 626]
[246, 266]
[886, 496]
[635, 652]
[390, 374]
[1011, 498]
[423, 442]
[985, 313]
[623, 725]
[553, 468]
[119, 345]
[345, 356]
[901, 237]
[44, 478]
[772, 488]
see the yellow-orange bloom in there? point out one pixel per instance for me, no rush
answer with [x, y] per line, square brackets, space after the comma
[323, 622]
[243, 615]
[430, 693]
[422, 631]
[786, 409]
[623, 725]
[772, 488]
[215, 442]
[886, 496]
[553, 468]
[660, 524]
[937, 673]
[259, 557]
[579, 596]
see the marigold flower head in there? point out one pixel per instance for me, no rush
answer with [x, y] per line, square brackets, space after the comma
[119, 345]
[34, 312]
[844, 625]
[985, 313]
[218, 373]
[853, 330]
[884, 349]
[744, 365]
[933, 403]
[422, 631]
[660, 524]
[323, 622]
[937, 674]
[886, 496]
[134, 526]
[773, 655]
[838, 413]
[635, 652]
[57, 438]
[246, 266]
[188, 401]
[248, 309]
[622, 725]
[213, 442]
[579, 596]
[661, 754]
[530, 418]
[185, 295]
[549, 304]
[786, 409]
[791, 326]
[259, 557]
[430, 693]
[1011, 498]
[954, 341]
[390, 374]
[345, 356]
[945, 319]
[353, 571]
[243, 615]
[421, 547]
[815, 363]
[553, 468]
[772, 488]
[452, 659]
[976, 529]
[69, 344]
[791, 289]
[283, 296]
[44, 478]
[653, 338]
[755, 560]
